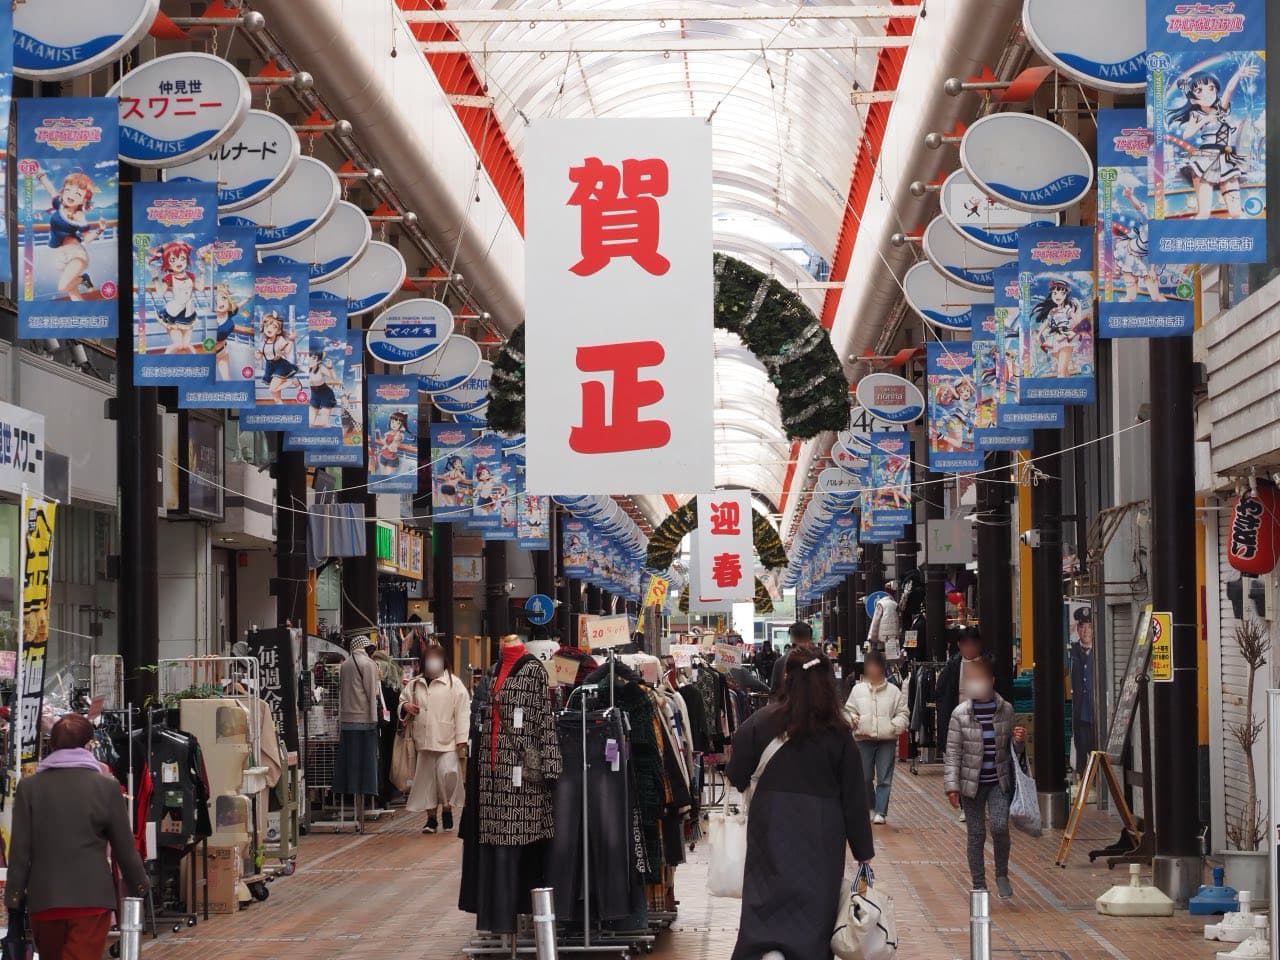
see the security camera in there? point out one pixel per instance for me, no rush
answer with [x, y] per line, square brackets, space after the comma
[1030, 538]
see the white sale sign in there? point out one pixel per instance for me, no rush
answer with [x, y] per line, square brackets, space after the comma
[725, 555]
[618, 306]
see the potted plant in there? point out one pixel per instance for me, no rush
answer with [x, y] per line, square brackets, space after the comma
[1246, 865]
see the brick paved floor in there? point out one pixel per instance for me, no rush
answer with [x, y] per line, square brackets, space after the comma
[390, 895]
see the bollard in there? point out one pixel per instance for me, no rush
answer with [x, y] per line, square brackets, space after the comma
[544, 924]
[130, 928]
[979, 925]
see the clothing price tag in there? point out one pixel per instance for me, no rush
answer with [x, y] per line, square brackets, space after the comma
[517, 718]
[168, 773]
[909, 639]
[517, 776]
[612, 755]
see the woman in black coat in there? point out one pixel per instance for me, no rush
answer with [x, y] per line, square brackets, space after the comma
[808, 805]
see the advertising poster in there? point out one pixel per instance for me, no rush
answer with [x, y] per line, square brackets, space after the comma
[953, 407]
[68, 212]
[1207, 105]
[1056, 290]
[325, 364]
[508, 502]
[1136, 297]
[451, 465]
[1013, 418]
[575, 547]
[281, 306]
[995, 366]
[486, 481]
[6, 100]
[235, 272]
[393, 434]
[890, 484]
[533, 531]
[349, 452]
[33, 631]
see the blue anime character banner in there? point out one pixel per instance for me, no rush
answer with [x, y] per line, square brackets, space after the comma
[533, 522]
[68, 213]
[349, 451]
[888, 495]
[229, 333]
[324, 368]
[6, 100]
[452, 461]
[510, 485]
[1207, 106]
[487, 482]
[995, 356]
[953, 407]
[173, 226]
[393, 434]
[575, 547]
[281, 302]
[1136, 297]
[1055, 314]
[1014, 420]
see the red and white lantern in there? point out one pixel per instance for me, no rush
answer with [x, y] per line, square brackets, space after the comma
[1254, 544]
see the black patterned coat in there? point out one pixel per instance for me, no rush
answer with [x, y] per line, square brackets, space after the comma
[512, 816]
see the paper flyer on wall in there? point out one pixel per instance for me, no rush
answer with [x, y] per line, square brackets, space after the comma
[1136, 298]
[1056, 315]
[350, 451]
[952, 398]
[281, 305]
[230, 332]
[68, 196]
[393, 434]
[1207, 105]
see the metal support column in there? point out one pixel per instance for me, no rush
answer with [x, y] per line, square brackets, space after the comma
[1046, 612]
[595, 600]
[290, 585]
[995, 571]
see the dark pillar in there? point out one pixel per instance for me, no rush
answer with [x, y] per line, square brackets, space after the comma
[995, 572]
[290, 585]
[849, 597]
[858, 594]
[844, 614]
[544, 573]
[497, 609]
[1174, 589]
[595, 600]
[564, 594]
[1046, 614]
[442, 577]
[935, 576]
[360, 574]
[136, 453]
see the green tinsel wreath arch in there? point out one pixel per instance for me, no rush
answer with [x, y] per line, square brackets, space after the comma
[666, 539]
[763, 602]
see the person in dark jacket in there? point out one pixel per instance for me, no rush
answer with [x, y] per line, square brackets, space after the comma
[808, 804]
[801, 635]
[64, 819]
[951, 678]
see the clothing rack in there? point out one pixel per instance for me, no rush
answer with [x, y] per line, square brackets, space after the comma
[914, 666]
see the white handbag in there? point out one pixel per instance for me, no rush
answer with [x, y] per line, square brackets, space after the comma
[727, 835]
[865, 926]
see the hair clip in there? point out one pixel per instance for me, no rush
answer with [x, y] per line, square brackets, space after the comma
[812, 663]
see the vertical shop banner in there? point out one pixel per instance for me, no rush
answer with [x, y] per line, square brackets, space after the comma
[173, 280]
[38, 517]
[534, 523]
[1136, 298]
[507, 502]
[994, 361]
[575, 547]
[486, 481]
[277, 676]
[229, 332]
[619, 306]
[890, 478]
[1013, 417]
[452, 460]
[726, 561]
[68, 214]
[953, 407]
[349, 451]
[1207, 106]
[393, 434]
[323, 365]
[1056, 313]
[281, 307]
[6, 101]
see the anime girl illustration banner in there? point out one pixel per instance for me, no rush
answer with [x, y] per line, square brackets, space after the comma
[1011, 415]
[6, 99]
[996, 362]
[229, 333]
[324, 367]
[509, 490]
[281, 305]
[1136, 297]
[487, 482]
[452, 460]
[889, 492]
[575, 542]
[68, 213]
[349, 451]
[393, 434]
[1207, 106]
[533, 530]
[1056, 291]
[173, 279]
[953, 407]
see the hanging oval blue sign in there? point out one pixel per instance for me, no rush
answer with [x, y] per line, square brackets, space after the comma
[940, 300]
[409, 331]
[984, 220]
[333, 249]
[250, 166]
[1026, 161]
[450, 366]
[1102, 43]
[468, 395]
[961, 260]
[890, 398]
[297, 209]
[373, 279]
[60, 39]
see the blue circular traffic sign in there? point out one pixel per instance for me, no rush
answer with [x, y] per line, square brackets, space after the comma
[872, 600]
[540, 609]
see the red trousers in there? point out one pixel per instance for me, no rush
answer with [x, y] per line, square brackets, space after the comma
[80, 938]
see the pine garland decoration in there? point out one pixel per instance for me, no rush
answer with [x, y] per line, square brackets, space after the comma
[664, 541]
[763, 602]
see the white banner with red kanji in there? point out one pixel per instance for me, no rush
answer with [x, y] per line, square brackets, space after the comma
[724, 557]
[618, 311]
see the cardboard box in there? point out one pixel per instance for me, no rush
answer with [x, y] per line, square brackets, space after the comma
[224, 871]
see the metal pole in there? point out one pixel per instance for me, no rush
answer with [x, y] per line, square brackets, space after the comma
[995, 574]
[544, 923]
[130, 928]
[291, 540]
[935, 577]
[979, 925]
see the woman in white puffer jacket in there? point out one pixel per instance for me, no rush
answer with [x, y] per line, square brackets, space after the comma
[878, 712]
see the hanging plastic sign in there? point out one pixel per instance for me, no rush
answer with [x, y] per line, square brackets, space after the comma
[953, 400]
[450, 366]
[393, 435]
[249, 166]
[891, 398]
[1056, 290]
[373, 279]
[478, 417]
[888, 495]
[60, 39]
[833, 480]
[410, 331]
[995, 361]
[295, 210]
[959, 259]
[1207, 103]
[471, 394]
[177, 107]
[333, 249]
[1026, 162]
[1255, 532]
[1101, 43]
[984, 220]
[939, 300]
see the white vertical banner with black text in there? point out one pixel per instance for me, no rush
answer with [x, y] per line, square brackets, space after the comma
[725, 557]
[619, 305]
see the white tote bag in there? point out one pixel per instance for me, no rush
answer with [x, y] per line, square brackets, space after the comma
[865, 925]
[727, 834]
[1024, 811]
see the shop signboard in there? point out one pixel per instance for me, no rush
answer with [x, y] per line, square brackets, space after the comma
[888, 495]
[960, 259]
[452, 463]
[60, 39]
[173, 276]
[1100, 43]
[985, 220]
[21, 449]
[278, 679]
[890, 398]
[409, 331]
[300, 206]
[835, 480]
[953, 407]
[1056, 313]
[374, 278]
[1207, 106]
[600, 633]
[478, 417]
[68, 194]
[250, 166]
[176, 107]
[939, 300]
[332, 249]
[469, 395]
[619, 305]
[1161, 647]
[1026, 162]
[726, 569]
[1136, 297]
[38, 517]
[450, 366]
[393, 434]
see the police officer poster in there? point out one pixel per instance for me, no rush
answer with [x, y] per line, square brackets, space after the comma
[1207, 105]
[1056, 314]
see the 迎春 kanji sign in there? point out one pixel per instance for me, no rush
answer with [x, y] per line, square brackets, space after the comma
[618, 306]
[725, 567]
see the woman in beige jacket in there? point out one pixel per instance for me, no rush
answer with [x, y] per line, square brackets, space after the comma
[877, 712]
[436, 710]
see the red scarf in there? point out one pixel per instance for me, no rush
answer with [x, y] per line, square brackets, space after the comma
[509, 657]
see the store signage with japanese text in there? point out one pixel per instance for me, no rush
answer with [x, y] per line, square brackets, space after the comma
[619, 305]
[959, 258]
[726, 559]
[983, 219]
[450, 366]
[60, 39]
[1026, 162]
[38, 518]
[1162, 647]
[600, 633]
[21, 449]
[939, 300]
[374, 278]
[411, 330]
[890, 398]
[1100, 43]
[333, 249]
[249, 166]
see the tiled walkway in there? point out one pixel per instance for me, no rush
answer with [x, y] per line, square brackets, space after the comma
[391, 895]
